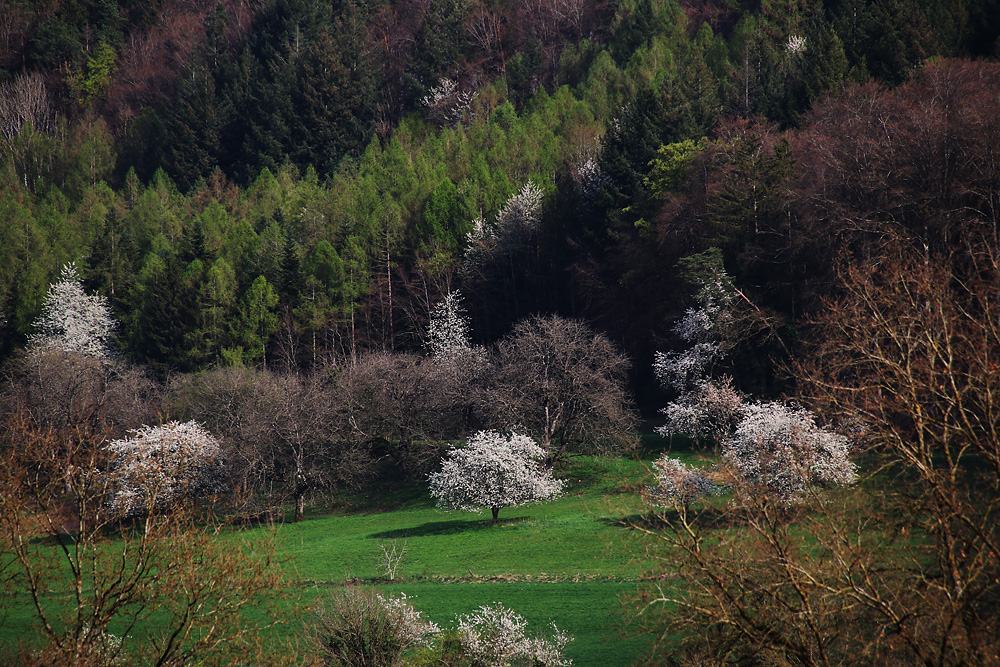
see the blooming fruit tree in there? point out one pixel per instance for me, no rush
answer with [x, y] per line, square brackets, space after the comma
[678, 484]
[157, 466]
[73, 321]
[767, 447]
[493, 471]
[780, 449]
[496, 636]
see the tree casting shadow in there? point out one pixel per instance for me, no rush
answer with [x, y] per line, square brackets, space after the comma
[444, 528]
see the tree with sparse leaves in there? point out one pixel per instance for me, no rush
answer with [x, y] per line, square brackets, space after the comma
[565, 383]
[493, 471]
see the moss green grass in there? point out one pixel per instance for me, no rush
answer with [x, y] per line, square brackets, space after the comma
[568, 561]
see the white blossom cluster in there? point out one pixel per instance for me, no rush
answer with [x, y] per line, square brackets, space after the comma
[522, 210]
[676, 483]
[796, 44]
[781, 449]
[446, 103]
[516, 223]
[701, 326]
[448, 329]
[765, 445]
[156, 466]
[73, 321]
[493, 471]
[590, 178]
[494, 636]
[713, 409]
[684, 370]
[414, 629]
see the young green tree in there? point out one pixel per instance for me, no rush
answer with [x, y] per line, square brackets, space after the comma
[256, 322]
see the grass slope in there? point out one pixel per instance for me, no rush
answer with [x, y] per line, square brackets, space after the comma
[568, 561]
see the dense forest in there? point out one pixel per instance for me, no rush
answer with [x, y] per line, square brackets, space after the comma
[289, 182]
[341, 234]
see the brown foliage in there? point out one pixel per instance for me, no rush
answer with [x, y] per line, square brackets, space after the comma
[565, 383]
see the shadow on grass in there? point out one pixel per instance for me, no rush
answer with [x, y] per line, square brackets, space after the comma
[712, 517]
[445, 528]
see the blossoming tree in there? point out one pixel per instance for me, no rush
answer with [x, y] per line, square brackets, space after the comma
[781, 449]
[496, 636]
[765, 446]
[493, 471]
[73, 321]
[156, 466]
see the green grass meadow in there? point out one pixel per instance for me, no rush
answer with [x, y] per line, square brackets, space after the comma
[571, 561]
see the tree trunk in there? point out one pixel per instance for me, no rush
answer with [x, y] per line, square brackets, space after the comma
[301, 486]
[496, 513]
[300, 505]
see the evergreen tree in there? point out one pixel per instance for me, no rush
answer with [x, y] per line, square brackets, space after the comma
[334, 98]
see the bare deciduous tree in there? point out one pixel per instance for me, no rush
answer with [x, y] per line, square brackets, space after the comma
[169, 586]
[283, 434]
[24, 101]
[902, 569]
[565, 383]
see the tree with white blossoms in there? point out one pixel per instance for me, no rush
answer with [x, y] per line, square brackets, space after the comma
[516, 224]
[780, 449]
[704, 407]
[678, 484]
[765, 446]
[494, 636]
[448, 330]
[363, 627]
[447, 103]
[493, 471]
[157, 466]
[73, 321]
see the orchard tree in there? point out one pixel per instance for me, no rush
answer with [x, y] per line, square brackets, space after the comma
[283, 435]
[73, 321]
[678, 485]
[493, 471]
[781, 450]
[156, 466]
[496, 636]
[361, 627]
[169, 589]
[767, 447]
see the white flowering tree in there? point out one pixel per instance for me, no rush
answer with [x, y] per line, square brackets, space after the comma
[494, 636]
[73, 321]
[448, 331]
[516, 224]
[493, 471]
[704, 406]
[781, 449]
[447, 103]
[363, 627]
[157, 466]
[765, 446]
[678, 484]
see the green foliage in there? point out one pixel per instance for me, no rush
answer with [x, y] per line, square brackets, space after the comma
[89, 81]
[669, 170]
[256, 321]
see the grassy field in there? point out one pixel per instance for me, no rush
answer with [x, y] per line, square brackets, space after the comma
[570, 561]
